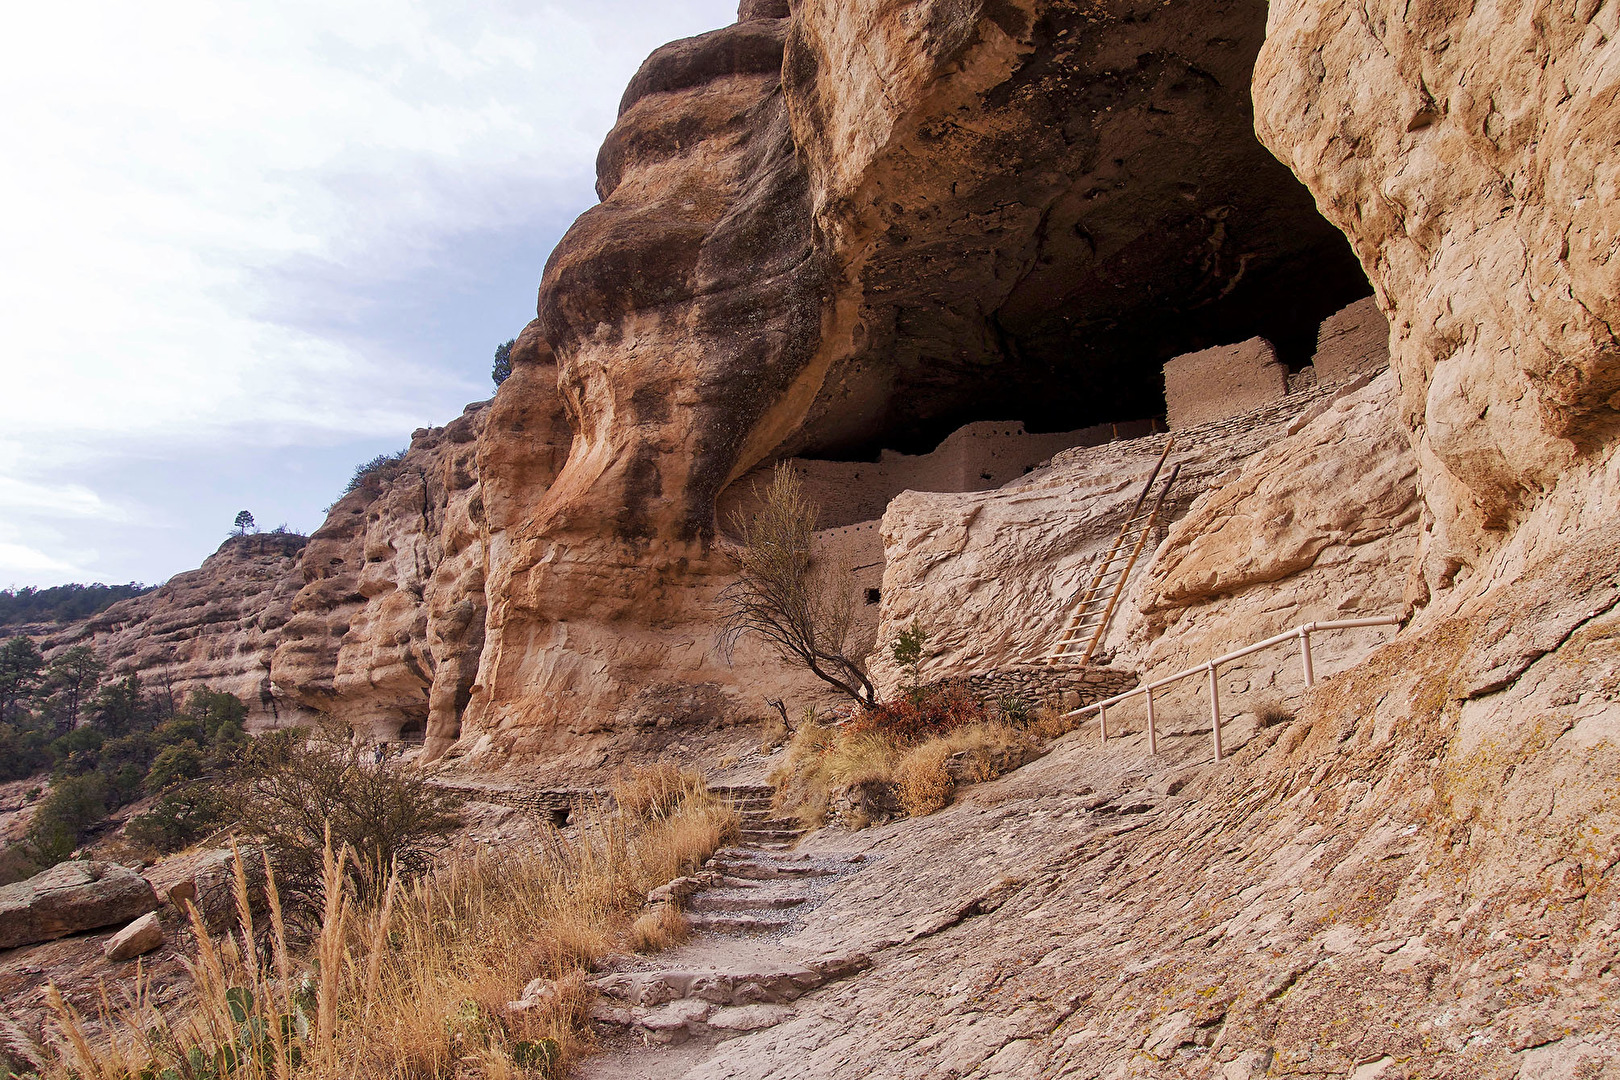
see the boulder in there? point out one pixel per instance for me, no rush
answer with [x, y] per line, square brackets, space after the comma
[70, 897]
[137, 939]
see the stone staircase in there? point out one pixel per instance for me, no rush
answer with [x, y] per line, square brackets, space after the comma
[709, 988]
[753, 802]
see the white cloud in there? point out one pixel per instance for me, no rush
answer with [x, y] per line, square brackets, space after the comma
[169, 165]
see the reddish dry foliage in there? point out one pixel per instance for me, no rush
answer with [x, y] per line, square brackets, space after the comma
[923, 714]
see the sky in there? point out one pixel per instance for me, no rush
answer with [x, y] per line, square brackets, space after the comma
[248, 246]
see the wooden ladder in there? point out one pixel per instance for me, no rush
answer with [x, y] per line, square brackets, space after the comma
[1097, 602]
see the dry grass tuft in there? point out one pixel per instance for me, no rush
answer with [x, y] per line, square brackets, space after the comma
[1269, 710]
[823, 761]
[658, 929]
[415, 985]
[1052, 722]
[922, 781]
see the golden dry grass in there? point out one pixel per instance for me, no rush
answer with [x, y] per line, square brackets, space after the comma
[416, 985]
[658, 929]
[822, 761]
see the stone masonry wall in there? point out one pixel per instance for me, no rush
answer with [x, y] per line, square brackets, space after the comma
[1223, 381]
[1067, 686]
[1351, 342]
[974, 457]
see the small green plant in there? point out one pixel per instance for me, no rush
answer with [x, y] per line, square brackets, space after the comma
[1015, 710]
[503, 362]
[540, 1055]
[907, 650]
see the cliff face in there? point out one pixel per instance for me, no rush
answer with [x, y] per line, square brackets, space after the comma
[388, 624]
[215, 627]
[1465, 153]
[865, 222]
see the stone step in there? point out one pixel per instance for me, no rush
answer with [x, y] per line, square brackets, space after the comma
[744, 791]
[765, 821]
[771, 835]
[672, 1006]
[734, 924]
[758, 872]
[740, 984]
[712, 902]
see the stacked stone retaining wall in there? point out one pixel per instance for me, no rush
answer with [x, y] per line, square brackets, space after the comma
[1066, 685]
[555, 803]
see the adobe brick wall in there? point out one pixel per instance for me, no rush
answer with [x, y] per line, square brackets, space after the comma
[975, 457]
[857, 551]
[1220, 382]
[1351, 342]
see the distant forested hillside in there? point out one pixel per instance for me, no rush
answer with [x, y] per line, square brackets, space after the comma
[62, 603]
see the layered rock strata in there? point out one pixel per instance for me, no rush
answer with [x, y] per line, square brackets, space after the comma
[854, 223]
[386, 631]
[216, 627]
[1304, 510]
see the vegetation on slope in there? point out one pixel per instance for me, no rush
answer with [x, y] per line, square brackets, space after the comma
[62, 603]
[107, 744]
[425, 979]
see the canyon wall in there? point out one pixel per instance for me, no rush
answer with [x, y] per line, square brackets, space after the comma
[852, 226]
[387, 628]
[215, 627]
[1467, 153]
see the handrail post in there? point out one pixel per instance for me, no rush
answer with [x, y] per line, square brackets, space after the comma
[1102, 716]
[1305, 654]
[1215, 709]
[1153, 734]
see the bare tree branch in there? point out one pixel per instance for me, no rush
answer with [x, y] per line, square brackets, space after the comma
[782, 594]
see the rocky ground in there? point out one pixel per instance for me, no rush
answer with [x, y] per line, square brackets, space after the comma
[1300, 910]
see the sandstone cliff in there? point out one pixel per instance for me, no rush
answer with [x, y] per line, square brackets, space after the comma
[862, 224]
[386, 630]
[1465, 152]
[215, 627]
[846, 228]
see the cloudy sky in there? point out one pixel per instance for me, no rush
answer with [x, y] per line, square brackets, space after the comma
[248, 245]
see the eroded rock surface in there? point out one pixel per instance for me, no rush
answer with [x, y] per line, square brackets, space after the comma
[215, 627]
[1417, 874]
[69, 897]
[1301, 511]
[1460, 150]
[386, 631]
[767, 275]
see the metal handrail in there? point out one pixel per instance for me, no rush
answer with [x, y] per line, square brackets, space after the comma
[1302, 633]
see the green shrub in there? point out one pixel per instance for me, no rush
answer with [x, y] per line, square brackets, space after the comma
[74, 804]
[174, 765]
[298, 785]
[1015, 710]
[374, 473]
[17, 864]
[182, 816]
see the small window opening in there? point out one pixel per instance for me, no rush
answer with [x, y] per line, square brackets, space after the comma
[874, 596]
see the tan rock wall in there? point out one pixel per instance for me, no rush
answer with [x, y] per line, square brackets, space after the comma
[1460, 150]
[387, 629]
[215, 627]
[1303, 511]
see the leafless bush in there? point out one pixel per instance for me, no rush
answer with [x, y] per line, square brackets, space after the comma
[303, 786]
[783, 595]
